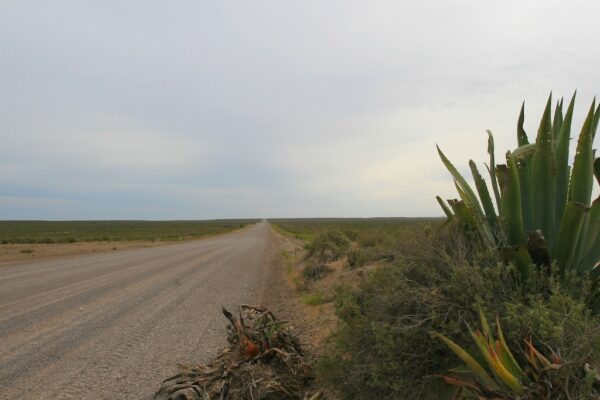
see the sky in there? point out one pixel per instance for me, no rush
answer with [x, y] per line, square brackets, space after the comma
[146, 109]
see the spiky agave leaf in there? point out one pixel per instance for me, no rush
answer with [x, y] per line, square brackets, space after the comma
[471, 363]
[512, 217]
[484, 196]
[523, 157]
[558, 120]
[544, 176]
[590, 256]
[486, 348]
[596, 120]
[484, 325]
[580, 190]
[470, 201]
[492, 170]
[590, 240]
[460, 181]
[445, 207]
[582, 173]
[521, 134]
[507, 356]
[462, 213]
[506, 377]
[562, 161]
[568, 236]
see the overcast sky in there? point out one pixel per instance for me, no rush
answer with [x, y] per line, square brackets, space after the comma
[218, 109]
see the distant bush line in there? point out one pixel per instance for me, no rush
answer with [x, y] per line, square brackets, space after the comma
[51, 232]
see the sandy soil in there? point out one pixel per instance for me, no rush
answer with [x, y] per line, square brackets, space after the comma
[36, 252]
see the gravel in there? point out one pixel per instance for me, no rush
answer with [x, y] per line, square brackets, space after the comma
[113, 325]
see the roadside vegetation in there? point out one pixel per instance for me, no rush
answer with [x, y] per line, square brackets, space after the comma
[500, 301]
[49, 232]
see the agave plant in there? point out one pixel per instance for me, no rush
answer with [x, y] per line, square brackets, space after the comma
[501, 376]
[541, 210]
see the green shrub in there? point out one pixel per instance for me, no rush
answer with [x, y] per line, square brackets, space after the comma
[329, 246]
[314, 271]
[382, 346]
[351, 234]
[314, 299]
[356, 258]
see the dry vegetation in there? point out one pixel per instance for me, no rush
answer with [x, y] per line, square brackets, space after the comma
[28, 240]
[264, 360]
[525, 259]
[373, 322]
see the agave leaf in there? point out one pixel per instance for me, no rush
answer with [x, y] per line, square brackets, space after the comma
[558, 119]
[462, 213]
[568, 236]
[580, 251]
[597, 169]
[485, 326]
[484, 196]
[543, 360]
[470, 201]
[512, 217]
[562, 162]
[521, 134]
[596, 120]
[492, 170]
[445, 208]
[580, 189]
[509, 360]
[486, 347]
[505, 376]
[590, 248]
[460, 181]
[479, 222]
[473, 365]
[524, 169]
[591, 260]
[544, 176]
[468, 213]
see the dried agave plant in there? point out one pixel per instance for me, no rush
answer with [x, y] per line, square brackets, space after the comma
[264, 360]
[543, 210]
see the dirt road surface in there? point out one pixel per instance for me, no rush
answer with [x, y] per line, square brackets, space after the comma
[113, 325]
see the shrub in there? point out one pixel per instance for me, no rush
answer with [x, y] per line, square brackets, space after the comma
[314, 271]
[314, 299]
[329, 246]
[382, 347]
[356, 258]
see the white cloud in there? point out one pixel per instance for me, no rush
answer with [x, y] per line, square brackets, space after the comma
[231, 108]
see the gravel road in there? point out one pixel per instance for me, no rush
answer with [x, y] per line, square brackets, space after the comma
[113, 325]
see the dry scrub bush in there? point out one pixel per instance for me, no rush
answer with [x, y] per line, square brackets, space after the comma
[329, 246]
[382, 347]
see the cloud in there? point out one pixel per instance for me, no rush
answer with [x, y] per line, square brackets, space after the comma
[190, 109]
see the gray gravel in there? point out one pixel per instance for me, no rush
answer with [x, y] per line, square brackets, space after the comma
[113, 325]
